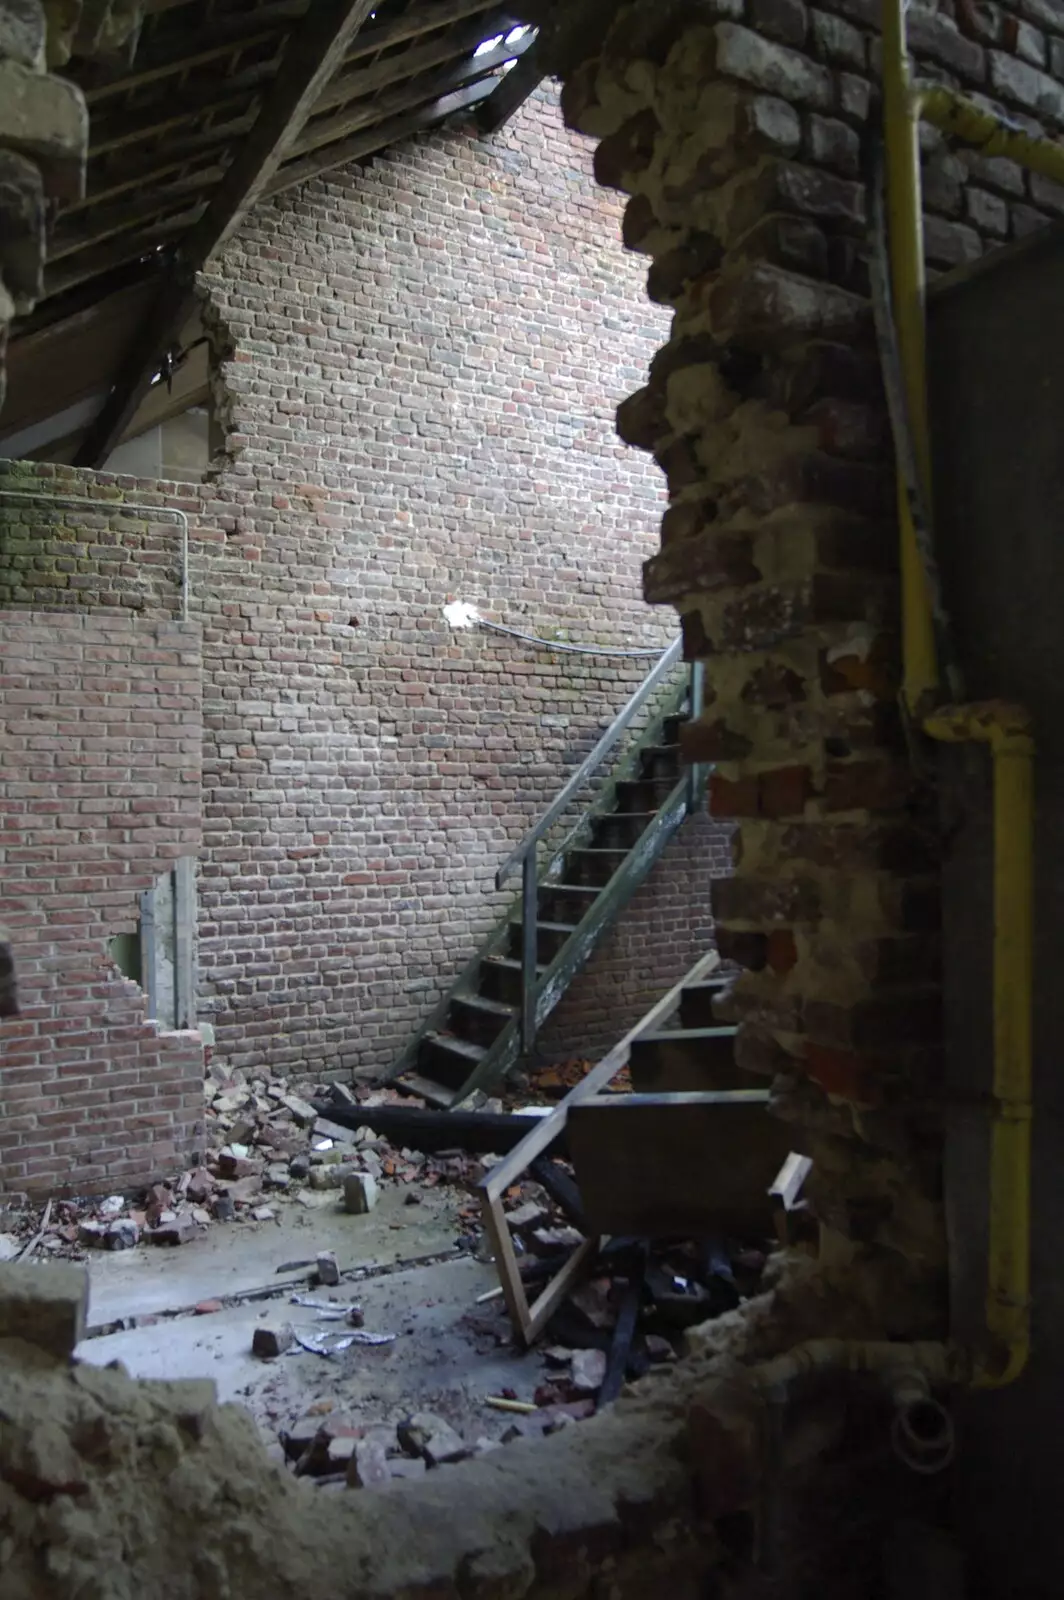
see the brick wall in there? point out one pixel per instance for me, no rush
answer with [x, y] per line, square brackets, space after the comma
[736, 129]
[667, 925]
[99, 791]
[426, 357]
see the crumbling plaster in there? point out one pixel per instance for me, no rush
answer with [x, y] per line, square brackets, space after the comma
[118, 1489]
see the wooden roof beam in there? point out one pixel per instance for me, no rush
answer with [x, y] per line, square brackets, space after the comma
[380, 136]
[373, 108]
[456, 41]
[314, 52]
[417, 23]
[518, 84]
[156, 60]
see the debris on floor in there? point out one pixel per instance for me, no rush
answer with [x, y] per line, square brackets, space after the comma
[556, 1078]
[358, 1384]
[267, 1147]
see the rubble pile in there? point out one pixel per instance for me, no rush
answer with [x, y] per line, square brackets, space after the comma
[266, 1146]
[554, 1080]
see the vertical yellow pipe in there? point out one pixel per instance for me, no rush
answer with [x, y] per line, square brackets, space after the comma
[905, 218]
[1008, 1269]
[1005, 728]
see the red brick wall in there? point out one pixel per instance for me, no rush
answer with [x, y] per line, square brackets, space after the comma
[427, 355]
[99, 790]
[666, 926]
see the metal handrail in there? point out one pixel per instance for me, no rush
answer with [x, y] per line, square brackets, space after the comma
[621, 721]
[525, 854]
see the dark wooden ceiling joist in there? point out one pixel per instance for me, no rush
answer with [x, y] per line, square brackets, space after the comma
[459, 40]
[416, 22]
[314, 52]
[168, 58]
[511, 93]
[373, 108]
[124, 127]
[105, 222]
[141, 171]
[101, 260]
[380, 136]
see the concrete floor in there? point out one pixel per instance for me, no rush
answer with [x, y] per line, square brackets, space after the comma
[233, 1257]
[449, 1353]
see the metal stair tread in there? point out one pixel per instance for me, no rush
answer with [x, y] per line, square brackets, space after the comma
[671, 1035]
[461, 1047]
[552, 927]
[428, 1089]
[592, 882]
[483, 1002]
[511, 962]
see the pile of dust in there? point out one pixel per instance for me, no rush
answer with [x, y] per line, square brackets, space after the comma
[111, 1489]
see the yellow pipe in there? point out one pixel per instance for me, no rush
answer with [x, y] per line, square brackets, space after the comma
[991, 135]
[1006, 729]
[905, 217]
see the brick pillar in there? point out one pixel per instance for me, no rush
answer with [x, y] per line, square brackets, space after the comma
[741, 153]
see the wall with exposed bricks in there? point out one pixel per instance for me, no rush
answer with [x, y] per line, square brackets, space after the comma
[423, 363]
[736, 129]
[100, 726]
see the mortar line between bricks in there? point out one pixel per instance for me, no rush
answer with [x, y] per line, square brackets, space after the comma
[271, 1291]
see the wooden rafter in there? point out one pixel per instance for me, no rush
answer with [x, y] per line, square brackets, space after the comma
[441, 47]
[372, 108]
[314, 52]
[123, 128]
[511, 93]
[416, 23]
[382, 134]
[158, 61]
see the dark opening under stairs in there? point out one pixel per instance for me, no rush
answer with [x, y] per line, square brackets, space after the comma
[572, 892]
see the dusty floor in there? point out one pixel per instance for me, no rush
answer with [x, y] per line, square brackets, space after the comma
[448, 1354]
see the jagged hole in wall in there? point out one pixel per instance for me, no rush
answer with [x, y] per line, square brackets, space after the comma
[161, 955]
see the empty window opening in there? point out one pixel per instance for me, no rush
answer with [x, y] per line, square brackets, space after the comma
[161, 955]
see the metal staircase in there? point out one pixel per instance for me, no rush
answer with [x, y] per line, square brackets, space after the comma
[571, 894]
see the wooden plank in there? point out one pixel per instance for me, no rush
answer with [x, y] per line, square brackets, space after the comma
[109, 178]
[502, 1248]
[677, 1165]
[417, 22]
[456, 42]
[149, 972]
[165, 59]
[518, 85]
[379, 137]
[313, 54]
[549, 1128]
[623, 1334]
[529, 1321]
[676, 1061]
[101, 223]
[543, 1308]
[119, 132]
[105, 258]
[374, 108]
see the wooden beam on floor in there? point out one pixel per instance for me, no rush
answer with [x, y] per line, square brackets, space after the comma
[314, 52]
